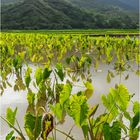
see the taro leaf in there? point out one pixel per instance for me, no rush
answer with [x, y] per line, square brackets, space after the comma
[38, 75]
[65, 94]
[11, 115]
[127, 115]
[134, 134]
[28, 77]
[78, 109]
[112, 133]
[47, 125]
[106, 131]
[93, 110]
[31, 98]
[116, 131]
[46, 73]
[10, 135]
[102, 119]
[108, 102]
[41, 100]
[90, 89]
[15, 138]
[16, 62]
[122, 125]
[135, 120]
[68, 60]
[136, 107]
[59, 71]
[85, 130]
[30, 125]
[118, 97]
[58, 111]
[121, 96]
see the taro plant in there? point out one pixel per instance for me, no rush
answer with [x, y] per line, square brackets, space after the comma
[51, 103]
[51, 99]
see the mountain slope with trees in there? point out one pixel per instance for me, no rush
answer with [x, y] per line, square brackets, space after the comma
[64, 14]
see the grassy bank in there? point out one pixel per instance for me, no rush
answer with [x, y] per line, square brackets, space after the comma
[87, 32]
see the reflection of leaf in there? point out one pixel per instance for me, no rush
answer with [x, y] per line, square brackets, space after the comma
[11, 115]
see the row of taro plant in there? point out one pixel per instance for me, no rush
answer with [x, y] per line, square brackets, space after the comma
[53, 82]
[79, 52]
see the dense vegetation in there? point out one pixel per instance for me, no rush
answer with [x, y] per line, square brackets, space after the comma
[62, 14]
[53, 98]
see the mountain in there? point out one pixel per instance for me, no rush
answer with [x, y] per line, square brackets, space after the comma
[67, 14]
[9, 1]
[44, 14]
[123, 4]
[129, 5]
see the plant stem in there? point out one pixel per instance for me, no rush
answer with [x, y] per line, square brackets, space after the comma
[90, 130]
[70, 131]
[18, 126]
[23, 138]
[64, 134]
[36, 120]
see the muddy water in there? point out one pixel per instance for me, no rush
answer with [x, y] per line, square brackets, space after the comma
[18, 99]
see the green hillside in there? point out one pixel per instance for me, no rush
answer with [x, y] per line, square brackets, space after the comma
[62, 14]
